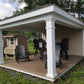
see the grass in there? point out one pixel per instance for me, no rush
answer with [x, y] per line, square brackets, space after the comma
[31, 47]
[8, 59]
[6, 78]
[75, 76]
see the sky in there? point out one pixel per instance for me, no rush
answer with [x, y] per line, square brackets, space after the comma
[6, 9]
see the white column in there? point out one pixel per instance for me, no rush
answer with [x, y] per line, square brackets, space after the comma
[1, 48]
[83, 42]
[51, 56]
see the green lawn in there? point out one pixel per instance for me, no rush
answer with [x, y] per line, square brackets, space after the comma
[75, 76]
[6, 78]
[31, 47]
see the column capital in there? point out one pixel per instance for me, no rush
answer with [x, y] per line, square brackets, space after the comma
[50, 19]
[50, 23]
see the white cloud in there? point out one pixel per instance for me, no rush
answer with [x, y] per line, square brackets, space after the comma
[6, 10]
[22, 5]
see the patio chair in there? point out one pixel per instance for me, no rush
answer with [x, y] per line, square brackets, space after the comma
[20, 53]
[64, 47]
[58, 57]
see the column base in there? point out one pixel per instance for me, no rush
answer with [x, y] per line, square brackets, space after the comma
[1, 62]
[51, 75]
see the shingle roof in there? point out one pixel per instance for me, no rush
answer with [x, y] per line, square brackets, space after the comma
[13, 35]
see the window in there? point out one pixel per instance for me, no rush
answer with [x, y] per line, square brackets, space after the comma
[11, 41]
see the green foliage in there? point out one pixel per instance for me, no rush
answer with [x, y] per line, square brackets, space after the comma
[29, 35]
[17, 12]
[12, 32]
[6, 78]
[76, 76]
[30, 3]
[82, 19]
[31, 47]
[79, 8]
[72, 7]
[43, 2]
[4, 32]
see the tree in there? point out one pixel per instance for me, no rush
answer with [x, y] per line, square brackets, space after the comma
[72, 7]
[4, 32]
[30, 4]
[67, 5]
[35, 3]
[17, 12]
[79, 8]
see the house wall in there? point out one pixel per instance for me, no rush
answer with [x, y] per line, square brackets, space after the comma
[9, 49]
[76, 39]
[4, 42]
